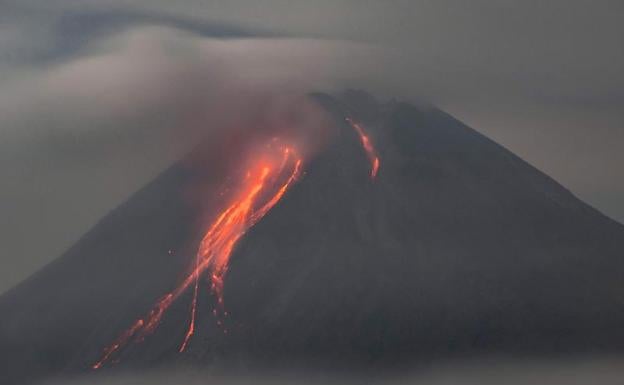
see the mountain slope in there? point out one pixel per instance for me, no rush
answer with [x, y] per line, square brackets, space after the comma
[458, 247]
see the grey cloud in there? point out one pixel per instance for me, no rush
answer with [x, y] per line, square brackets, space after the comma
[80, 135]
[95, 95]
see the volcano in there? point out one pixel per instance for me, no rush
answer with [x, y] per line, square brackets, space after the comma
[435, 243]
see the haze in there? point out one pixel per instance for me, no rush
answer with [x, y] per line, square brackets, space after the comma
[97, 97]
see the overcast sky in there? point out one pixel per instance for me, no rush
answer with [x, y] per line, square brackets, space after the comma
[97, 97]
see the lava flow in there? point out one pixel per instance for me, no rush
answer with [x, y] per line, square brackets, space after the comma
[368, 146]
[267, 180]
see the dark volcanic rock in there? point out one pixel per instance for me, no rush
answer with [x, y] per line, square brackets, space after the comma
[459, 247]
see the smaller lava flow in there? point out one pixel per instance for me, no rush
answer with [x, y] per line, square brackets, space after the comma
[368, 146]
[267, 179]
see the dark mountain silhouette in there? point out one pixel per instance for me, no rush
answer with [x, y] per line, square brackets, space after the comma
[458, 248]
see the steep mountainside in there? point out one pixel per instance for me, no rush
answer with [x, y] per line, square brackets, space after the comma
[457, 247]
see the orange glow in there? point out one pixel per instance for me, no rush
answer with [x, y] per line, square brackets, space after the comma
[191, 328]
[119, 342]
[265, 183]
[368, 147]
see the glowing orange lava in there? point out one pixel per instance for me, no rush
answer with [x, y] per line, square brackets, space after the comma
[265, 184]
[368, 146]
